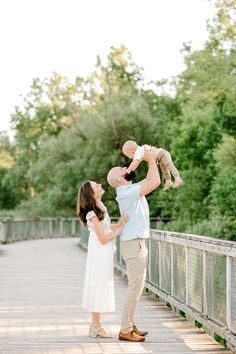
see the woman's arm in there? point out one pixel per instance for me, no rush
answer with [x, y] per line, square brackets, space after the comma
[114, 226]
[103, 238]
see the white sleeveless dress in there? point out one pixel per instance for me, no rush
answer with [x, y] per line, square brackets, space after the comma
[98, 292]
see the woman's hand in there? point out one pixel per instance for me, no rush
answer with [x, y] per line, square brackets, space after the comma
[122, 221]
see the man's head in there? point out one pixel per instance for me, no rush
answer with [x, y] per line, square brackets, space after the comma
[117, 176]
[129, 148]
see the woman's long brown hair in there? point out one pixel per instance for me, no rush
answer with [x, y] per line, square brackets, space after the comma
[86, 203]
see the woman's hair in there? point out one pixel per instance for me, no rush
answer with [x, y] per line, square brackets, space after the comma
[86, 203]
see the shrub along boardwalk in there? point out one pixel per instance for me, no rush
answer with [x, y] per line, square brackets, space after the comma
[40, 294]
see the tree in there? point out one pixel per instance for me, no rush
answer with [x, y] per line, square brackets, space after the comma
[222, 29]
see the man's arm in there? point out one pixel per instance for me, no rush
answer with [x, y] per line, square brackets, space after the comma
[152, 180]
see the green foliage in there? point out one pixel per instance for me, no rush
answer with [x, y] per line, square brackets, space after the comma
[220, 340]
[222, 30]
[182, 313]
[202, 147]
[219, 226]
[225, 153]
[186, 202]
[223, 193]
[9, 190]
[198, 324]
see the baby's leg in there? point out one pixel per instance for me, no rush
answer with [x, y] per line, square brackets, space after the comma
[164, 168]
[167, 161]
[167, 175]
[165, 171]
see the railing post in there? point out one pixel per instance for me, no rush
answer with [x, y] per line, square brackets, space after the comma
[2, 231]
[6, 233]
[61, 227]
[205, 310]
[172, 269]
[73, 227]
[186, 276]
[159, 251]
[50, 228]
[228, 291]
[149, 258]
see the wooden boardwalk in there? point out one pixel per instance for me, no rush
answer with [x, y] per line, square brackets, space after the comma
[40, 295]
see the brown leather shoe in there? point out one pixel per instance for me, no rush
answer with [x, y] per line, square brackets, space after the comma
[138, 332]
[131, 336]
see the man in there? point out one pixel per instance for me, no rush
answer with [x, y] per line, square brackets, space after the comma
[132, 202]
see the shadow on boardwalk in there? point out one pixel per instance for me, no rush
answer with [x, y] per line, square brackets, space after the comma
[41, 285]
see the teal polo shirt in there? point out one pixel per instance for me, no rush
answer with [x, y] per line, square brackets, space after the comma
[136, 207]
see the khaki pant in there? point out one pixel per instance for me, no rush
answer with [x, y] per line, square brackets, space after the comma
[135, 254]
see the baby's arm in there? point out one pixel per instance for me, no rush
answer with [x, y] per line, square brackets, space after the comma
[133, 166]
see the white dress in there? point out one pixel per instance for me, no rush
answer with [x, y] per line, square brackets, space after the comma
[98, 292]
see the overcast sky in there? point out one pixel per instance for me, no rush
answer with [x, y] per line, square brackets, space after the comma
[38, 37]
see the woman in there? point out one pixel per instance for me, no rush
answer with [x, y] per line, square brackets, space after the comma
[98, 293]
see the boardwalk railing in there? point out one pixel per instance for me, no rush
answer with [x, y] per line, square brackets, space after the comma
[196, 275]
[12, 230]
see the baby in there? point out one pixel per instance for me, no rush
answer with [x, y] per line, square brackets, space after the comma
[136, 152]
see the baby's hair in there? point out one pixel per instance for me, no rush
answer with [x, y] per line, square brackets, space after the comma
[129, 144]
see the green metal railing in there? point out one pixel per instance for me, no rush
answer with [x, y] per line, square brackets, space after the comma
[13, 230]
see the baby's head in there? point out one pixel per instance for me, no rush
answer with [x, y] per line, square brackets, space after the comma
[129, 148]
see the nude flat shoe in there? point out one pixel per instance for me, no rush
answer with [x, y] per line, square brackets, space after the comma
[99, 332]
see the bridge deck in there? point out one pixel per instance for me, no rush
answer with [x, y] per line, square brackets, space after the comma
[40, 294]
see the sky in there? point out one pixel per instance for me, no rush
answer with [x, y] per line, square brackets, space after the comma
[39, 37]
